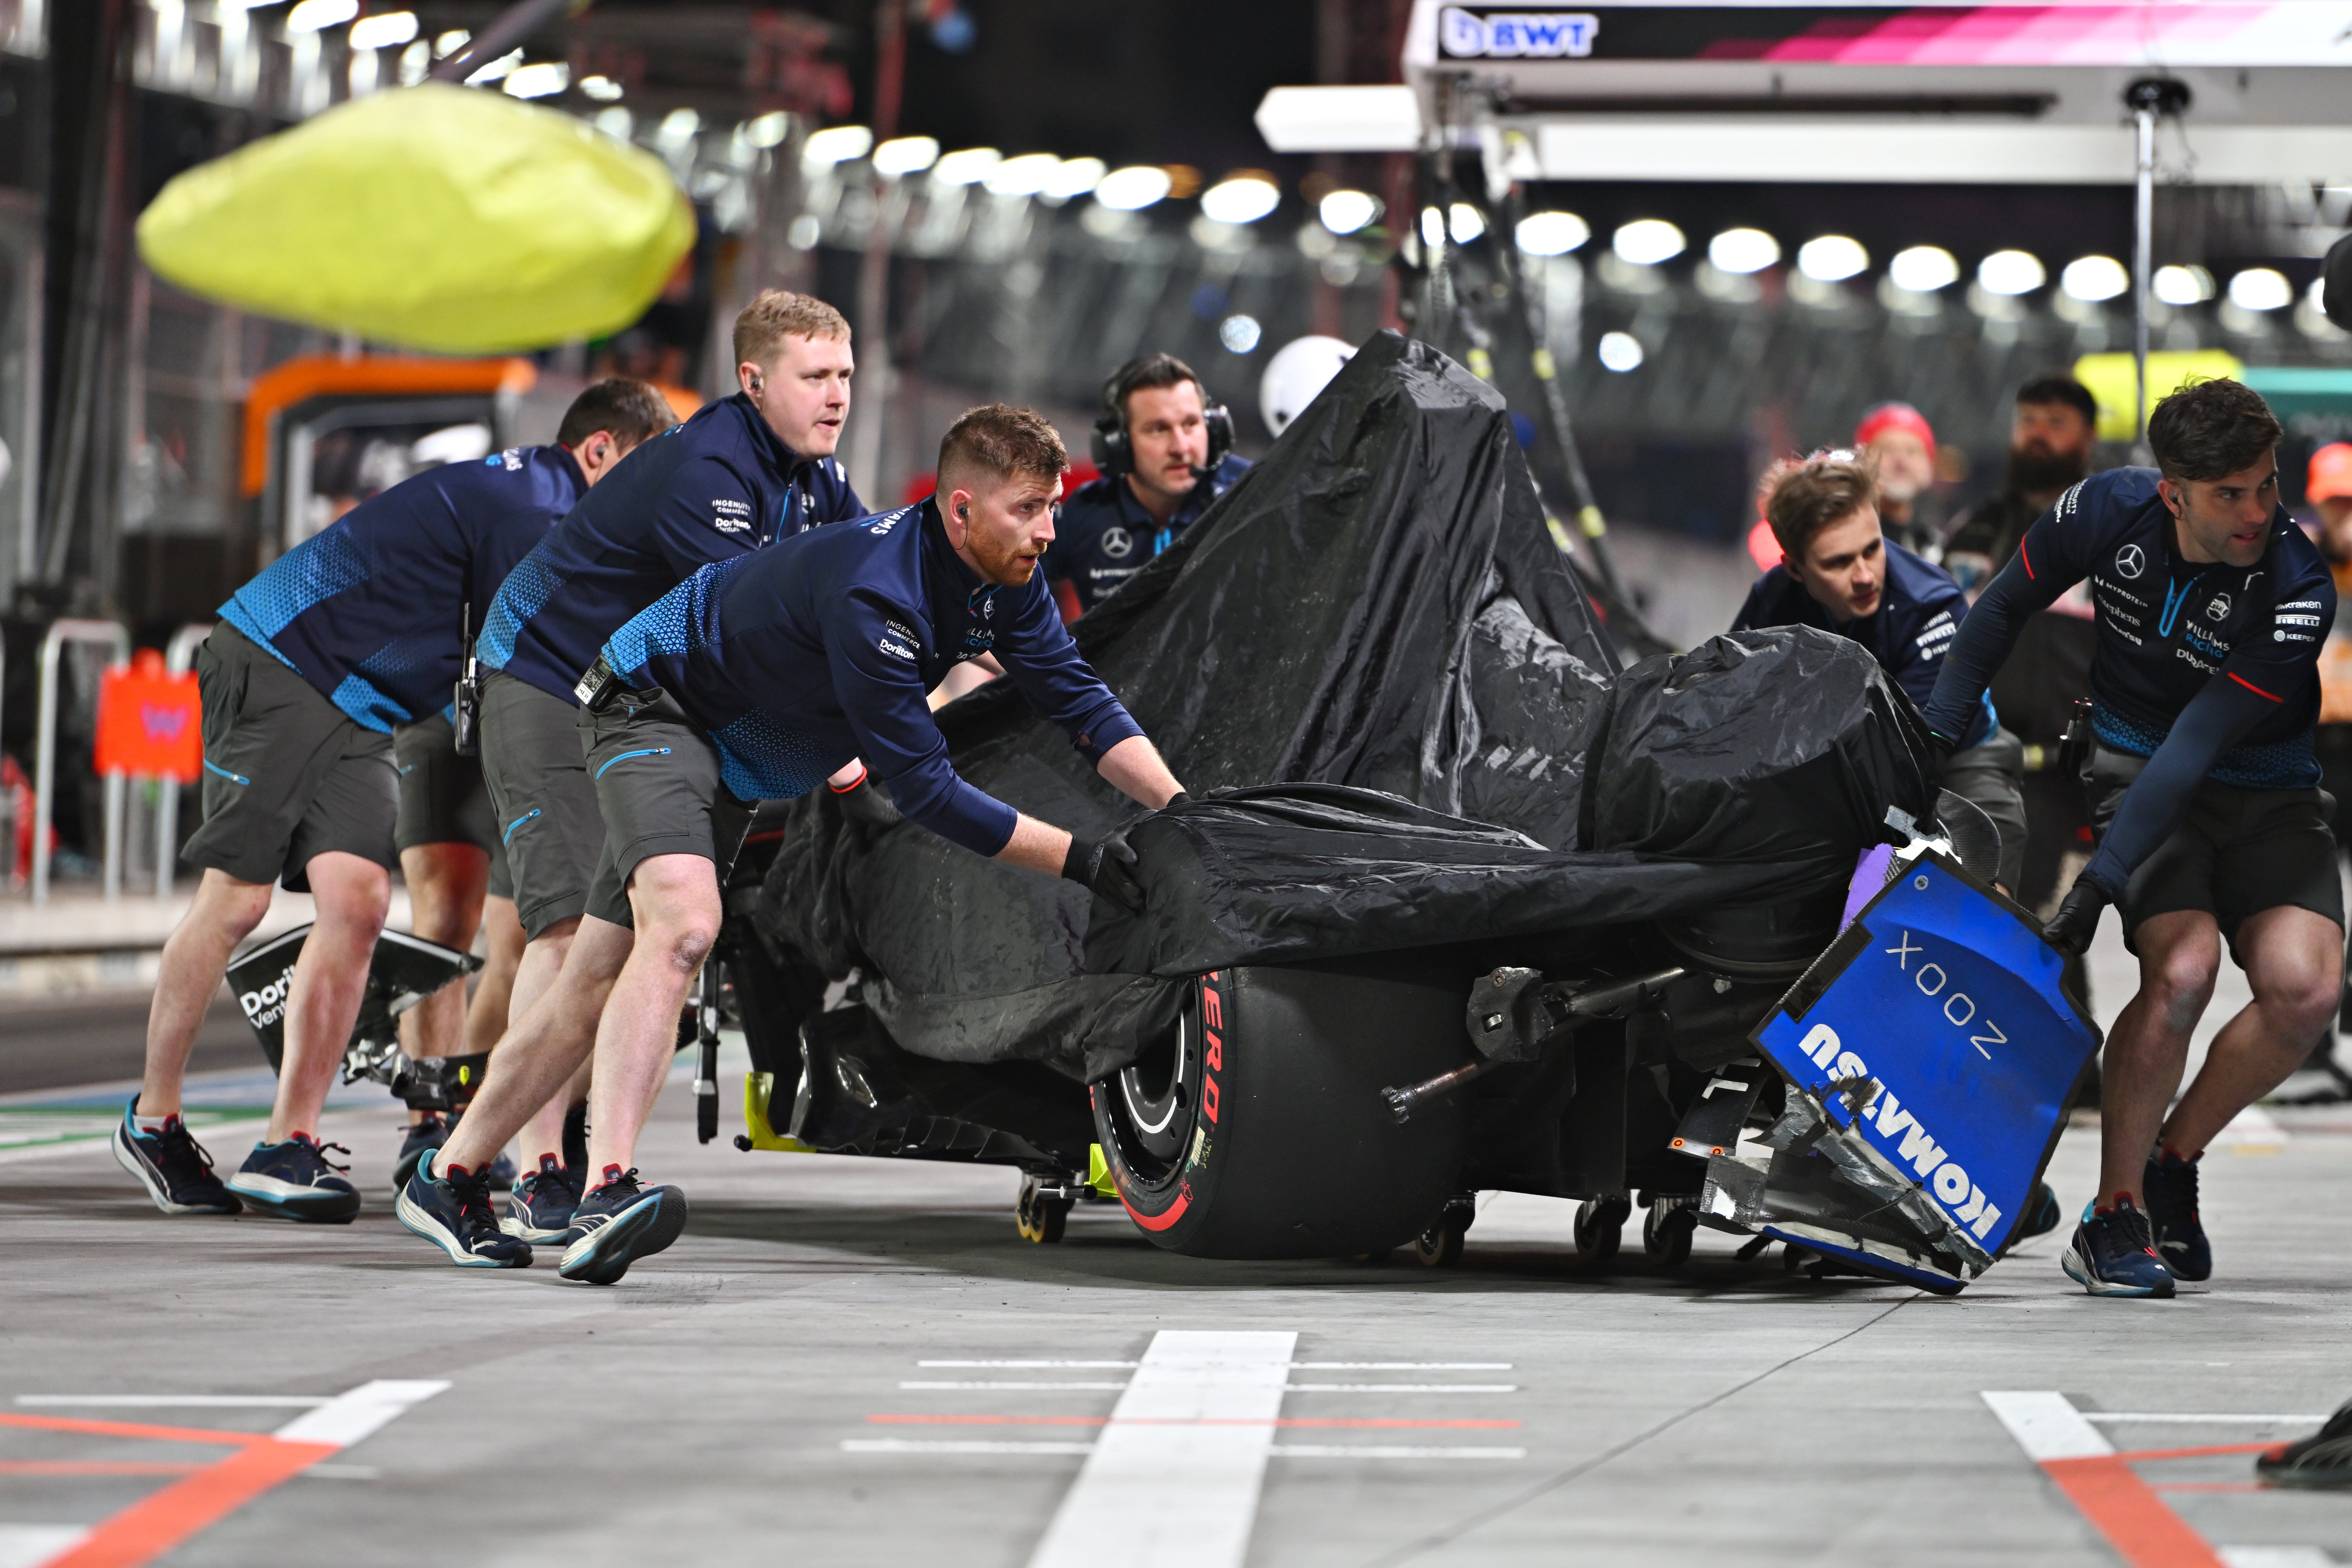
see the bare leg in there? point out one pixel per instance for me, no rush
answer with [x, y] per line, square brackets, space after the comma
[223, 913]
[542, 961]
[2180, 953]
[674, 900]
[2294, 963]
[543, 1047]
[494, 987]
[446, 884]
[330, 981]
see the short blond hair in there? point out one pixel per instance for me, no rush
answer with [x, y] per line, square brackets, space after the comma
[1004, 443]
[777, 314]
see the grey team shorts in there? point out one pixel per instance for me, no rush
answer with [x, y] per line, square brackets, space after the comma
[547, 818]
[287, 774]
[443, 799]
[657, 776]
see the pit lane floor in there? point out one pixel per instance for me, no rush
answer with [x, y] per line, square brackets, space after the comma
[829, 1367]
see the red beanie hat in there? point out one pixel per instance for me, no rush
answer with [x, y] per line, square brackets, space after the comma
[1893, 416]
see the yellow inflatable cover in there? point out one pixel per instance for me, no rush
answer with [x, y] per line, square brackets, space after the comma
[436, 218]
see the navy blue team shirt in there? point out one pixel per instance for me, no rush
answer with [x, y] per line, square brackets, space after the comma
[1102, 535]
[367, 608]
[822, 649]
[718, 486]
[2210, 670]
[1920, 611]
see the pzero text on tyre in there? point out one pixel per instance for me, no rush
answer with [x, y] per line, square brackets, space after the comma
[1257, 1130]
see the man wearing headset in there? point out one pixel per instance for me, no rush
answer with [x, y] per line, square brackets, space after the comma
[1166, 452]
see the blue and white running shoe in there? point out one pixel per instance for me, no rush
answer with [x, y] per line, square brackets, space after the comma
[619, 1223]
[2112, 1253]
[540, 1208]
[295, 1180]
[172, 1165]
[455, 1214]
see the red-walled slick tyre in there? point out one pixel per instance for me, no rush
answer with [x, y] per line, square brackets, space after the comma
[1257, 1128]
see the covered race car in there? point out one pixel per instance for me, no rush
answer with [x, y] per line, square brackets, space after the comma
[1457, 904]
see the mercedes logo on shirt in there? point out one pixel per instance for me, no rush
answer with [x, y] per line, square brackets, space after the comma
[1117, 542]
[2131, 561]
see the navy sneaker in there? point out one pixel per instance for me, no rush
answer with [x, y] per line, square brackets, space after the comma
[455, 1214]
[501, 1174]
[2170, 1184]
[172, 1165]
[540, 1208]
[427, 1133]
[2324, 1459]
[619, 1223]
[2112, 1253]
[295, 1180]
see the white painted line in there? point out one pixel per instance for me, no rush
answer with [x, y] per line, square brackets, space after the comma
[2275, 1556]
[27, 1545]
[2194, 1418]
[349, 1417]
[1277, 1451]
[1174, 1477]
[1400, 1366]
[179, 1401]
[1030, 1363]
[904, 1445]
[1388, 1452]
[1403, 1388]
[2047, 1426]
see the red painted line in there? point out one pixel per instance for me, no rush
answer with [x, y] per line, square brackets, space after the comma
[93, 1468]
[2143, 1530]
[155, 1524]
[134, 1429]
[928, 1420]
[2252, 688]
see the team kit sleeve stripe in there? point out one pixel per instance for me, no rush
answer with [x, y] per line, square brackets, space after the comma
[2252, 688]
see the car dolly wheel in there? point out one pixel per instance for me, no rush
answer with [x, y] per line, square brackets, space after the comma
[1042, 1210]
[1667, 1230]
[1600, 1227]
[1440, 1246]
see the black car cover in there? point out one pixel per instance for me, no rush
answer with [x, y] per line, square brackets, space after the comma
[1400, 724]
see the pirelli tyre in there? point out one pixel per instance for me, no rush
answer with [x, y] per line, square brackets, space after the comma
[1256, 1128]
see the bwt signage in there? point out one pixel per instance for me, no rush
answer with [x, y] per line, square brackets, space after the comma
[1468, 35]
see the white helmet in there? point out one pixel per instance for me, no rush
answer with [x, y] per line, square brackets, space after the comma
[1303, 368]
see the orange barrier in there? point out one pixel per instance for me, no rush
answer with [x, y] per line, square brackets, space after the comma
[149, 721]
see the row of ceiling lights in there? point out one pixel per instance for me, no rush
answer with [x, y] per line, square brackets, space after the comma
[1834, 258]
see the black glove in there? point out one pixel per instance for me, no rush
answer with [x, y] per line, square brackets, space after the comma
[2077, 920]
[866, 806]
[1179, 798]
[1106, 867]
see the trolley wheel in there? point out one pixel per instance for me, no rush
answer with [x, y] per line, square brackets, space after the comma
[1439, 1246]
[1666, 1235]
[1600, 1227]
[1039, 1219]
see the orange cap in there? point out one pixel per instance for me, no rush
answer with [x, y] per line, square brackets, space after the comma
[2331, 472]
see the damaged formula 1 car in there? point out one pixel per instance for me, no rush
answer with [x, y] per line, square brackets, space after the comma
[1513, 918]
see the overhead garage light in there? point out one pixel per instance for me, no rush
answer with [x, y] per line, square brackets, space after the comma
[604, 89]
[836, 144]
[497, 69]
[903, 155]
[1239, 198]
[1345, 212]
[311, 16]
[1023, 177]
[1465, 222]
[1551, 234]
[1074, 177]
[387, 31]
[1433, 227]
[1923, 269]
[966, 166]
[2260, 288]
[1831, 257]
[1133, 188]
[767, 130]
[2094, 278]
[2011, 272]
[1743, 251]
[1620, 351]
[1645, 242]
[543, 79]
[2183, 285]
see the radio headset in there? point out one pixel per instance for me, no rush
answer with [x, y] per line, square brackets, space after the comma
[1114, 455]
[466, 703]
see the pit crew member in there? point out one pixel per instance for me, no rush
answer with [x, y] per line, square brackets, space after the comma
[759, 678]
[2211, 609]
